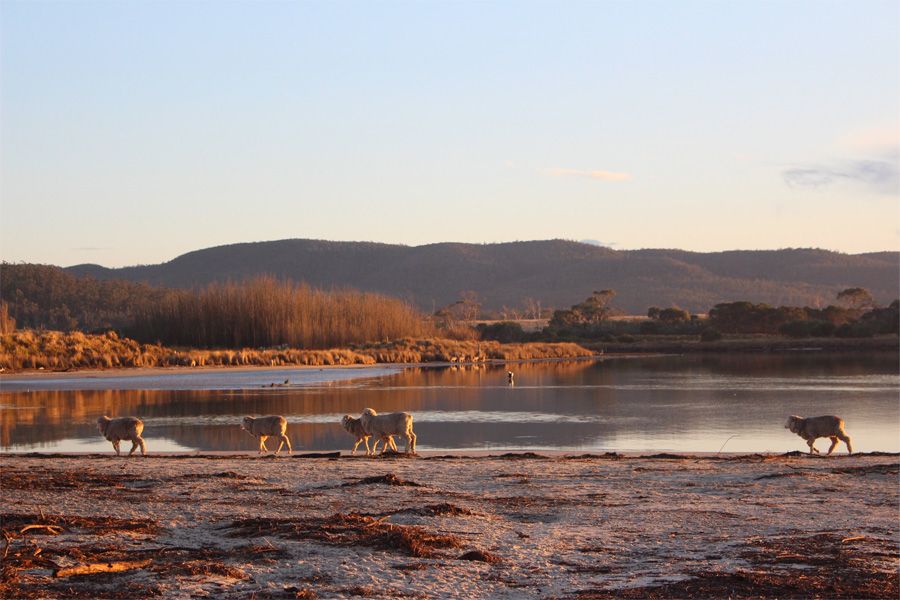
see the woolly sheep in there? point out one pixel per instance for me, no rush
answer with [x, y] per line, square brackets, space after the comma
[812, 428]
[123, 428]
[354, 427]
[264, 427]
[391, 424]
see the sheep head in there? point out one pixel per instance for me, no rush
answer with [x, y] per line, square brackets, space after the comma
[793, 423]
[102, 424]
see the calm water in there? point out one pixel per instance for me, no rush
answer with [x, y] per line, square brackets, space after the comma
[687, 403]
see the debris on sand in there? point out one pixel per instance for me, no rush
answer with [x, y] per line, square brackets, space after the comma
[521, 456]
[103, 567]
[350, 530]
[480, 556]
[388, 479]
[434, 510]
[633, 527]
[12, 522]
[822, 565]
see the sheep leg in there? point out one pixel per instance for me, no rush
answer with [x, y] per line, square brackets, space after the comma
[834, 442]
[410, 442]
[143, 446]
[811, 447]
[366, 440]
[375, 447]
[116, 447]
[286, 441]
[389, 441]
[846, 439]
[262, 444]
[134, 446]
[356, 445]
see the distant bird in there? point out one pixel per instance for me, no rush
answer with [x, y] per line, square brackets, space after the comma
[510, 377]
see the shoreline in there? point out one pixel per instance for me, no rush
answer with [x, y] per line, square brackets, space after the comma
[507, 454]
[498, 527]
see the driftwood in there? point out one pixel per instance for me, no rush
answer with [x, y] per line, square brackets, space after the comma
[853, 538]
[105, 567]
[54, 529]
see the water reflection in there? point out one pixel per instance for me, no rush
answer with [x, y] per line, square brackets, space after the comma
[691, 403]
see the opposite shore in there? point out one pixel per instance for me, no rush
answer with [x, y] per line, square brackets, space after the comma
[57, 352]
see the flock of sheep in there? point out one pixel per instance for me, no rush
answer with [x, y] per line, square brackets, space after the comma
[370, 424]
[384, 427]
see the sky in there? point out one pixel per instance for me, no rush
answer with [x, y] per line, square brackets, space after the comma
[132, 132]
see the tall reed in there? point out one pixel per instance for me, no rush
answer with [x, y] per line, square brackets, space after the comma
[265, 312]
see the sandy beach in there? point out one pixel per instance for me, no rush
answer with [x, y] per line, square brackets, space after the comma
[509, 526]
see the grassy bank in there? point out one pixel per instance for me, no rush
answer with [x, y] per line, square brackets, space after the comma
[58, 351]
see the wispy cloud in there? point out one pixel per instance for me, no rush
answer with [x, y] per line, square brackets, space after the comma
[591, 174]
[881, 176]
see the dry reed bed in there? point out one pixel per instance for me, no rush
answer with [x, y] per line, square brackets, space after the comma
[264, 311]
[59, 351]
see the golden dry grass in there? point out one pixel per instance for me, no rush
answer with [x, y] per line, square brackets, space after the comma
[55, 350]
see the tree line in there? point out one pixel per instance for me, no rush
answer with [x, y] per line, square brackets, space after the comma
[266, 312]
[857, 315]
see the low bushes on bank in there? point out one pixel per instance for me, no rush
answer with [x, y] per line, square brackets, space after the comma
[54, 350]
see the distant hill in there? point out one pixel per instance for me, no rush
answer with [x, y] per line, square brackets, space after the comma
[558, 273]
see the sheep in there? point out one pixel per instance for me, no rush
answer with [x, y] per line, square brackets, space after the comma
[354, 427]
[812, 428]
[510, 378]
[264, 427]
[123, 428]
[392, 424]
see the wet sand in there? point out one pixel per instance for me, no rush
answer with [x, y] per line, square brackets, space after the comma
[513, 526]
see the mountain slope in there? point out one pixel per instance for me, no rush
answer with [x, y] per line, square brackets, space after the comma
[556, 272]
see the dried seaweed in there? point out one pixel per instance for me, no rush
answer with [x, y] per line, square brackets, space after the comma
[350, 530]
[822, 565]
[434, 510]
[388, 479]
[480, 556]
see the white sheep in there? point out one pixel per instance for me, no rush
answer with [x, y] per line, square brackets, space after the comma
[354, 427]
[812, 428]
[400, 423]
[123, 428]
[264, 427]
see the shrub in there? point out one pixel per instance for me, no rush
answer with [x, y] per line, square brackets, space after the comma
[710, 334]
[504, 332]
[802, 329]
[857, 329]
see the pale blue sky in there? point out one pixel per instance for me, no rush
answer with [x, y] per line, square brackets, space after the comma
[132, 132]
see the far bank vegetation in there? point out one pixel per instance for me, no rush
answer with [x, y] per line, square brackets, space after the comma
[61, 351]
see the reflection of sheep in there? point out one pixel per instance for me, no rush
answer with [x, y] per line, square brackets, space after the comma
[123, 428]
[510, 377]
[263, 427]
[354, 427]
[392, 424]
[812, 428]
